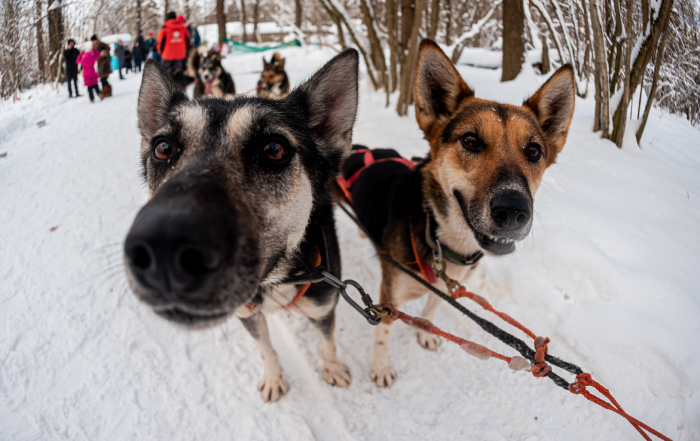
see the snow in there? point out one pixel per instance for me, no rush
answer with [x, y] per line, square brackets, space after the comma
[609, 274]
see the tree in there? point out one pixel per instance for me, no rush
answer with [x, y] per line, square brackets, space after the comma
[513, 44]
[41, 57]
[297, 14]
[221, 20]
[408, 67]
[56, 40]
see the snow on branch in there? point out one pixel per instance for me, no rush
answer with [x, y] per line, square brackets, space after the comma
[473, 31]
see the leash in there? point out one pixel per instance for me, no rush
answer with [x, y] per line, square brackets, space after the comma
[538, 359]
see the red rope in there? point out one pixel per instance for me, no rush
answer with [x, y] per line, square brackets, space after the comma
[538, 369]
[462, 292]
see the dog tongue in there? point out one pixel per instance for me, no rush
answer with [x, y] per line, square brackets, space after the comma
[207, 87]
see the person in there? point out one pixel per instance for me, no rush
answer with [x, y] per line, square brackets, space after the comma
[71, 57]
[151, 42]
[137, 55]
[127, 60]
[172, 43]
[142, 45]
[119, 52]
[87, 61]
[153, 55]
[104, 67]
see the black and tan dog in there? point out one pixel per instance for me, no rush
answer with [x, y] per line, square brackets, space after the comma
[212, 79]
[474, 193]
[273, 79]
[239, 199]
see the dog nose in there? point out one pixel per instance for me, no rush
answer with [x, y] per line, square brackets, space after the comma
[510, 211]
[174, 251]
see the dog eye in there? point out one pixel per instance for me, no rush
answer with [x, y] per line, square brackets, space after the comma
[274, 151]
[163, 151]
[533, 151]
[471, 141]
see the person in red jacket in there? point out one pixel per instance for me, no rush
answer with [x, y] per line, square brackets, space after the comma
[172, 43]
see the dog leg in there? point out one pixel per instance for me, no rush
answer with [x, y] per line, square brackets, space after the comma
[272, 385]
[381, 372]
[335, 372]
[430, 341]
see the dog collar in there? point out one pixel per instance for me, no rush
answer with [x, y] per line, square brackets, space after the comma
[438, 247]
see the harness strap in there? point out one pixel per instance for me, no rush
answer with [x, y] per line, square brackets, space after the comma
[305, 287]
[346, 184]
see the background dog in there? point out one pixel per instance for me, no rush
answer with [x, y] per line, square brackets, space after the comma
[212, 79]
[474, 193]
[273, 80]
[239, 199]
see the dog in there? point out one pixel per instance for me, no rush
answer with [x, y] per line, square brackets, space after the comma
[211, 78]
[240, 200]
[472, 195]
[274, 82]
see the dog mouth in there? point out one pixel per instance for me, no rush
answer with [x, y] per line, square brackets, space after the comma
[496, 245]
[191, 318]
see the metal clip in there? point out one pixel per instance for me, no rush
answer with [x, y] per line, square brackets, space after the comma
[451, 284]
[372, 314]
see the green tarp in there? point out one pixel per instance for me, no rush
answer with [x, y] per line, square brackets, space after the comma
[237, 46]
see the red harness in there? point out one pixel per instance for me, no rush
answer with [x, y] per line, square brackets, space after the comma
[346, 184]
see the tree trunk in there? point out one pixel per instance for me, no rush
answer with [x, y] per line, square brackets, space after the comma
[513, 44]
[602, 99]
[434, 19]
[407, 13]
[138, 15]
[652, 92]
[620, 124]
[658, 28]
[41, 57]
[546, 66]
[165, 10]
[448, 24]
[56, 40]
[392, 19]
[408, 68]
[297, 13]
[339, 26]
[243, 18]
[375, 44]
[221, 21]
[256, 16]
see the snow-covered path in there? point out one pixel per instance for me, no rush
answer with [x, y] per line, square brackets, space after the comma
[610, 274]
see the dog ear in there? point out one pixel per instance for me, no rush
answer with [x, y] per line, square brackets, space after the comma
[157, 95]
[553, 106]
[265, 63]
[330, 100]
[438, 89]
[280, 65]
[193, 61]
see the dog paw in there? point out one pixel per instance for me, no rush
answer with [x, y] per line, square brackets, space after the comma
[383, 376]
[429, 341]
[336, 374]
[272, 388]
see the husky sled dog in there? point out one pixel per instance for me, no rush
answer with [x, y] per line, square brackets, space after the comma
[473, 194]
[239, 199]
[273, 80]
[212, 80]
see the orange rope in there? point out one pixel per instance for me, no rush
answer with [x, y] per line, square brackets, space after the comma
[539, 369]
[305, 287]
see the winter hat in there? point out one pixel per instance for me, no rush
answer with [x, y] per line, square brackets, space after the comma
[180, 18]
[93, 38]
[171, 15]
[150, 34]
[140, 31]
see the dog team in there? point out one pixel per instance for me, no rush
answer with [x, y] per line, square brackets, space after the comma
[241, 195]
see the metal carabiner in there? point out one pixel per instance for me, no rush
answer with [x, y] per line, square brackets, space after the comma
[369, 314]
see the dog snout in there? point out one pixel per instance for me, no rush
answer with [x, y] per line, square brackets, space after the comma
[510, 211]
[175, 251]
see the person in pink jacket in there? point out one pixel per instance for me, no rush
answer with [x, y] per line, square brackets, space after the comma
[87, 60]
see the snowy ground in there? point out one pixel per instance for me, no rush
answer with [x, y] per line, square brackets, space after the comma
[610, 274]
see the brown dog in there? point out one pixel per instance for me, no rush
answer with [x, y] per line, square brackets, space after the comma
[274, 82]
[474, 193]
